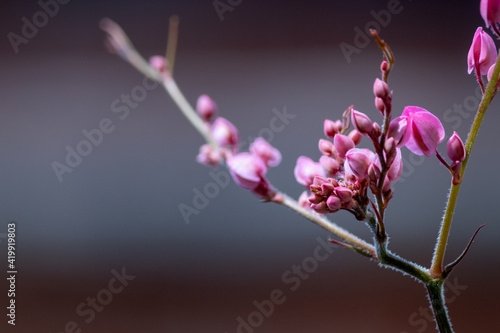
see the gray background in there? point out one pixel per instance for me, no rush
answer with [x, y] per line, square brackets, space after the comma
[119, 207]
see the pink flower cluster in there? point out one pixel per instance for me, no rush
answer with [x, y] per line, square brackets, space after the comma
[344, 172]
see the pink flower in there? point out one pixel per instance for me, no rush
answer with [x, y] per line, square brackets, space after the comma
[361, 122]
[482, 53]
[330, 166]
[426, 131]
[206, 108]
[490, 11]
[357, 162]
[455, 148]
[224, 132]
[305, 170]
[270, 155]
[248, 171]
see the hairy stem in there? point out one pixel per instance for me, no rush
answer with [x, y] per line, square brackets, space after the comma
[437, 261]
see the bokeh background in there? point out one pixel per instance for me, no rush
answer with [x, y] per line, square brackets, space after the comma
[119, 209]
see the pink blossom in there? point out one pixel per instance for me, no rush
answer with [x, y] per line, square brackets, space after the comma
[361, 122]
[326, 147]
[426, 131]
[224, 132]
[330, 128]
[396, 167]
[160, 64]
[305, 170]
[455, 148]
[490, 11]
[270, 155]
[482, 53]
[248, 171]
[206, 107]
[357, 162]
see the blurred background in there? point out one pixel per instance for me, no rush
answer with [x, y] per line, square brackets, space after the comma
[117, 211]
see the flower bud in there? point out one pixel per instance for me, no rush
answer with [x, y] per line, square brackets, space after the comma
[270, 155]
[330, 128]
[160, 64]
[303, 200]
[327, 188]
[326, 147]
[490, 11]
[206, 108]
[390, 150]
[330, 166]
[342, 144]
[380, 105]
[209, 155]
[248, 170]
[305, 170]
[383, 66]
[455, 148]
[355, 136]
[396, 167]
[344, 194]
[357, 162]
[380, 89]
[224, 132]
[376, 131]
[321, 208]
[361, 122]
[482, 53]
[333, 203]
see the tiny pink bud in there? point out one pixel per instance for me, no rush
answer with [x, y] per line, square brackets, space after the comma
[342, 144]
[330, 128]
[321, 208]
[209, 155]
[455, 148]
[159, 63]
[490, 74]
[248, 170]
[327, 188]
[361, 122]
[376, 131]
[390, 150]
[490, 11]
[333, 202]
[343, 193]
[314, 199]
[206, 108]
[305, 170]
[383, 66]
[380, 105]
[396, 167]
[380, 89]
[270, 155]
[330, 166]
[397, 131]
[318, 181]
[373, 173]
[224, 132]
[326, 147]
[482, 53]
[357, 162]
[338, 126]
[426, 131]
[355, 136]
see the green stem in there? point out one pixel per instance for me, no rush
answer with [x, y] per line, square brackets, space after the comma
[436, 296]
[437, 261]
